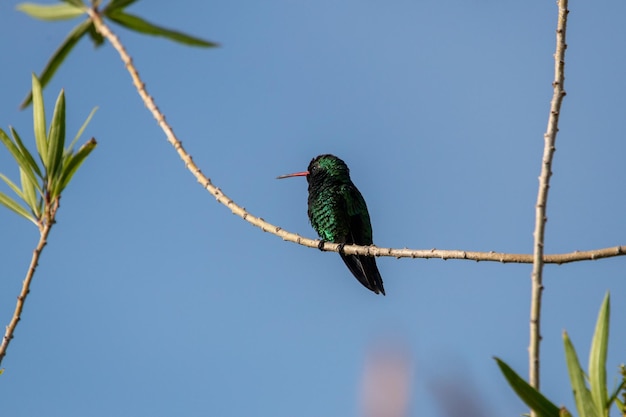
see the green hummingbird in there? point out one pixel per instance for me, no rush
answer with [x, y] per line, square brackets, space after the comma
[338, 214]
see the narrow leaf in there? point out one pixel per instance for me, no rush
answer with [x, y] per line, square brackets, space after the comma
[11, 204]
[96, 37]
[533, 398]
[27, 155]
[118, 4]
[73, 163]
[76, 3]
[61, 11]
[597, 359]
[584, 401]
[138, 24]
[616, 392]
[39, 121]
[81, 130]
[21, 159]
[28, 190]
[58, 56]
[56, 137]
[12, 185]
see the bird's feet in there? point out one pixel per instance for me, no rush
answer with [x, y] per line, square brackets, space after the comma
[320, 246]
[341, 245]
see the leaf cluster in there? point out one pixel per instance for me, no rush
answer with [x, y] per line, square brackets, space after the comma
[42, 181]
[114, 11]
[590, 391]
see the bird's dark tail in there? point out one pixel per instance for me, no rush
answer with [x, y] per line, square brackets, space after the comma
[365, 270]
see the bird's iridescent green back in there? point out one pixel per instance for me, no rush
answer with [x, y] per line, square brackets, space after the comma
[339, 214]
[336, 208]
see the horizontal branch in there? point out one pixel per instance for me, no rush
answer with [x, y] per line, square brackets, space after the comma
[519, 258]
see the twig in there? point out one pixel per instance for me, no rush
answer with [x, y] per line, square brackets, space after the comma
[313, 243]
[44, 229]
[542, 197]
[517, 258]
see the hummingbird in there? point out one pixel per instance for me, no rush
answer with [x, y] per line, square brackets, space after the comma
[338, 214]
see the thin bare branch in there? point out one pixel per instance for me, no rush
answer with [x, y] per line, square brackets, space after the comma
[518, 258]
[542, 197]
[44, 230]
[313, 243]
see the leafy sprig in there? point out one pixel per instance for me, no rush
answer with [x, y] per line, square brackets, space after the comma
[41, 183]
[590, 391]
[114, 11]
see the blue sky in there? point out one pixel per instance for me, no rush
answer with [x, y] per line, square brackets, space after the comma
[153, 300]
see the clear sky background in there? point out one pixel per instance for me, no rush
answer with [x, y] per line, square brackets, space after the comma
[151, 299]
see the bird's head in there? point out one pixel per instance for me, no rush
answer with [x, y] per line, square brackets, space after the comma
[323, 167]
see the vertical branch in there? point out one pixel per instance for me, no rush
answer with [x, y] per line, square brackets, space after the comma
[44, 229]
[542, 197]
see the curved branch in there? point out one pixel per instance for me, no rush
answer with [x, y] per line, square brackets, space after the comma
[313, 243]
[542, 197]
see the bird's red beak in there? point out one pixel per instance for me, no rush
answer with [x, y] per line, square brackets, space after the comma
[296, 174]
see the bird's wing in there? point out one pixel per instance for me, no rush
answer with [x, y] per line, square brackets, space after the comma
[360, 232]
[359, 218]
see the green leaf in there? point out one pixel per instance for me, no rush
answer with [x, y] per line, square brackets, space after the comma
[61, 11]
[22, 160]
[71, 164]
[80, 131]
[597, 359]
[96, 37]
[39, 121]
[76, 3]
[58, 56]
[118, 4]
[140, 25]
[14, 187]
[533, 398]
[11, 204]
[582, 395]
[56, 137]
[28, 190]
[616, 392]
[27, 155]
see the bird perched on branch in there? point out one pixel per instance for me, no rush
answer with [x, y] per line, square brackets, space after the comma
[338, 213]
